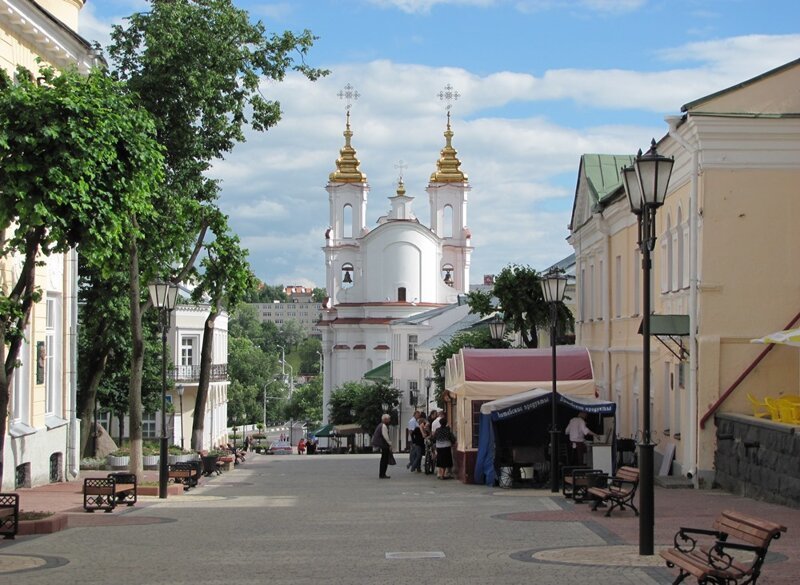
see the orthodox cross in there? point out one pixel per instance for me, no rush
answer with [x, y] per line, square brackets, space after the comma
[449, 94]
[349, 94]
[401, 165]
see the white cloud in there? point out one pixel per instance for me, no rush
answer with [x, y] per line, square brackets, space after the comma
[415, 6]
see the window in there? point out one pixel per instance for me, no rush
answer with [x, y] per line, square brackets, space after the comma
[602, 293]
[476, 421]
[666, 257]
[591, 292]
[618, 286]
[20, 396]
[401, 294]
[49, 355]
[636, 404]
[149, 425]
[679, 240]
[347, 221]
[413, 392]
[582, 308]
[447, 221]
[677, 402]
[187, 351]
[412, 348]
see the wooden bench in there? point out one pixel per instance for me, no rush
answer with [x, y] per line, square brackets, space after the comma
[576, 481]
[186, 472]
[620, 490]
[106, 493]
[721, 560]
[9, 515]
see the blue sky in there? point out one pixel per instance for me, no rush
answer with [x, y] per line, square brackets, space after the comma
[541, 82]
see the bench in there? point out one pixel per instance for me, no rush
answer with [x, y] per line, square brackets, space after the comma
[575, 481]
[620, 490]
[717, 561]
[186, 472]
[106, 493]
[9, 515]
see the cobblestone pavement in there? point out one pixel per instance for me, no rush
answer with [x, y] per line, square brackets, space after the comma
[307, 519]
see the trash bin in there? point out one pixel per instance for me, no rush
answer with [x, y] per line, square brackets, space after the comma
[506, 477]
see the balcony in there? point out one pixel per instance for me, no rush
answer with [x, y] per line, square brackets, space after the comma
[191, 374]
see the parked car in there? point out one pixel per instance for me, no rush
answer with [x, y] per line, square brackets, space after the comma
[280, 448]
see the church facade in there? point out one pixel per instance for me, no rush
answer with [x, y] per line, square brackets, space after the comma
[377, 277]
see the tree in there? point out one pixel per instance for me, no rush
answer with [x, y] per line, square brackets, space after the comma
[226, 278]
[78, 160]
[318, 295]
[519, 293]
[309, 352]
[265, 293]
[244, 322]
[197, 67]
[365, 400]
[292, 333]
[306, 403]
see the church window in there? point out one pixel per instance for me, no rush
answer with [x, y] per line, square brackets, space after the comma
[447, 221]
[412, 348]
[347, 275]
[447, 274]
[401, 294]
[347, 221]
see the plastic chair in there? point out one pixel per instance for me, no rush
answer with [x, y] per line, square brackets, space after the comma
[789, 411]
[774, 409]
[760, 409]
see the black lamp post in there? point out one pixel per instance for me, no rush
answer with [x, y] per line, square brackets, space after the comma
[179, 387]
[646, 185]
[497, 329]
[163, 295]
[554, 287]
[428, 383]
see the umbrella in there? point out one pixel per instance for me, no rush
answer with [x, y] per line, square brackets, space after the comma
[786, 337]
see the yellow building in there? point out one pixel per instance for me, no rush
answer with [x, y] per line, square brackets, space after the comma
[40, 442]
[724, 268]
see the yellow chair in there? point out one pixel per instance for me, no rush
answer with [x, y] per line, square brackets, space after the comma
[790, 398]
[760, 409]
[789, 411]
[774, 409]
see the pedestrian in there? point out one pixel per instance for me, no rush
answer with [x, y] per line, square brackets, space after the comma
[436, 421]
[380, 440]
[301, 446]
[417, 446]
[577, 431]
[412, 424]
[444, 440]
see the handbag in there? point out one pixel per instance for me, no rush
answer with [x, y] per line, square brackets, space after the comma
[391, 459]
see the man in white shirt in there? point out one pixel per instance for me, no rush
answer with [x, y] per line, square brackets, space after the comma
[412, 424]
[577, 432]
[436, 423]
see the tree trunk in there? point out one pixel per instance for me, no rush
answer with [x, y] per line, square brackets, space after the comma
[87, 400]
[137, 365]
[121, 426]
[206, 358]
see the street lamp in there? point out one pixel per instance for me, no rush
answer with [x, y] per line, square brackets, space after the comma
[497, 329]
[646, 185]
[180, 389]
[428, 383]
[163, 295]
[554, 287]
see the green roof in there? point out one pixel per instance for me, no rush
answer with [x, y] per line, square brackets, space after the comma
[382, 372]
[675, 325]
[602, 173]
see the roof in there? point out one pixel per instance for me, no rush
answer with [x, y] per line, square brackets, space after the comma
[382, 372]
[519, 365]
[602, 173]
[677, 325]
[470, 321]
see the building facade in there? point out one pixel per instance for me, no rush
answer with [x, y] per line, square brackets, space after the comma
[42, 435]
[722, 269]
[377, 277]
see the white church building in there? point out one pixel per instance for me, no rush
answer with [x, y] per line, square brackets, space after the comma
[378, 278]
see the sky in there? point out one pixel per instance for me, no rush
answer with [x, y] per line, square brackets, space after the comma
[540, 83]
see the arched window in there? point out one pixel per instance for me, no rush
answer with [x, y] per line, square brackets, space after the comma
[447, 221]
[348, 274]
[447, 274]
[401, 294]
[347, 221]
[681, 250]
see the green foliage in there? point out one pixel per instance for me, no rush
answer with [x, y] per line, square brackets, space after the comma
[318, 295]
[519, 293]
[265, 293]
[365, 400]
[477, 338]
[292, 333]
[306, 402]
[244, 322]
[309, 352]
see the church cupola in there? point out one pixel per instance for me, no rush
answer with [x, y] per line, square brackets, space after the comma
[347, 164]
[401, 203]
[448, 167]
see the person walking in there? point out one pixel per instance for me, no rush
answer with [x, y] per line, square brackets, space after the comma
[444, 440]
[380, 440]
[412, 424]
[417, 446]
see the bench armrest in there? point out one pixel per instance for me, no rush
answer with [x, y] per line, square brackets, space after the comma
[685, 542]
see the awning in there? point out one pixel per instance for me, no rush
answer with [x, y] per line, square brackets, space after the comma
[346, 430]
[670, 327]
[382, 372]
[511, 406]
[324, 431]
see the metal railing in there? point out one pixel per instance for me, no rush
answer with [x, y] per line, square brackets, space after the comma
[219, 372]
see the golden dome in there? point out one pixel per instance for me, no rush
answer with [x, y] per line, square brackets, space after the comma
[447, 166]
[401, 188]
[347, 170]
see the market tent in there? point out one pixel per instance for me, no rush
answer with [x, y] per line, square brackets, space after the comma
[324, 431]
[524, 420]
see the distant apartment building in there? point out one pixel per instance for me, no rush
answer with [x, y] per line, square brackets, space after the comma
[301, 307]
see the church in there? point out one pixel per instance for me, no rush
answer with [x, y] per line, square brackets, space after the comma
[395, 285]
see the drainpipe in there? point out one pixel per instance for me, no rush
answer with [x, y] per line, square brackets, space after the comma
[73, 457]
[607, 314]
[691, 450]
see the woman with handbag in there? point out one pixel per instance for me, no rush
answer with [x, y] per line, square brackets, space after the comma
[444, 440]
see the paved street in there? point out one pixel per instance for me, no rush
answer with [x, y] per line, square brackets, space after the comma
[312, 519]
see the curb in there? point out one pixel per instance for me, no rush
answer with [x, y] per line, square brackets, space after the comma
[54, 523]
